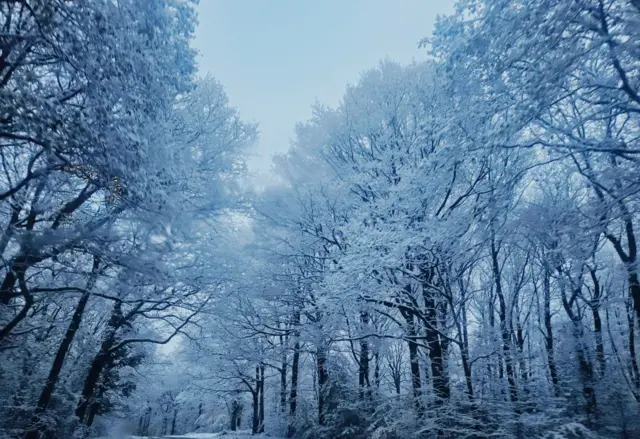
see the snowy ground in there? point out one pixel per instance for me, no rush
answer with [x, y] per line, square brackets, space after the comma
[224, 435]
[245, 434]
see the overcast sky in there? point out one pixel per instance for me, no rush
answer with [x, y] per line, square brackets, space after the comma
[276, 57]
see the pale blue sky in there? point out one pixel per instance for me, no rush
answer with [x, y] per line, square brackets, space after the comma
[276, 57]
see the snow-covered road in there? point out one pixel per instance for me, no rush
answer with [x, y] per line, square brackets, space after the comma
[246, 434]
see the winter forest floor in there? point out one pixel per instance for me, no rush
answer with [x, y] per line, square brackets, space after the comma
[244, 434]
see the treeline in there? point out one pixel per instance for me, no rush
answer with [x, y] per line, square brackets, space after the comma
[113, 154]
[452, 251]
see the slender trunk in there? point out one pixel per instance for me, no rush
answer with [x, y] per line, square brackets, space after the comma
[436, 349]
[283, 377]
[397, 382]
[437, 346]
[140, 425]
[548, 336]
[597, 323]
[464, 346]
[255, 404]
[283, 387]
[235, 415]
[293, 395]
[585, 369]
[504, 327]
[492, 325]
[520, 339]
[466, 367]
[56, 367]
[294, 379]
[261, 389]
[145, 421]
[634, 290]
[85, 407]
[586, 372]
[414, 362]
[635, 371]
[363, 366]
[629, 258]
[376, 372]
[173, 422]
[63, 349]
[321, 367]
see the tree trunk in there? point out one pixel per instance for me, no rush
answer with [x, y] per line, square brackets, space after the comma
[597, 321]
[464, 346]
[85, 407]
[363, 361]
[63, 349]
[634, 291]
[635, 371]
[585, 369]
[144, 422]
[294, 374]
[235, 415]
[173, 422]
[520, 339]
[548, 336]
[586, 373]
[629, 258]
[504, 327]
[255, 404]
[261, 390]
[283, 377]
[321, 367]
[436, 350]
[414, 362]
[376, 372]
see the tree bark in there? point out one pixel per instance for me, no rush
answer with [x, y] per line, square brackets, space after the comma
[283, 376]
[173, 421]
[585, 368]
[363, 362]
[61, 354]
[293, 396]
[586, 374]
[634, 292]
[504, 327]
[436, 350]
[597, 321]
[414, 362]
[255, 404]
[261, 390]
[635, 371]
[323, 378]
[464, 346]
[548, 336]
[85, 408]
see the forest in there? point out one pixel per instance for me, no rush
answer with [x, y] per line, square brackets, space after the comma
[450, 252]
